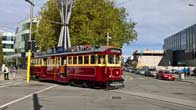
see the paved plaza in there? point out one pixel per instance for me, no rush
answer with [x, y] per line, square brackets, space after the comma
[140, 93]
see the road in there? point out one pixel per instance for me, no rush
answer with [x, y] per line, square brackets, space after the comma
[140, 93]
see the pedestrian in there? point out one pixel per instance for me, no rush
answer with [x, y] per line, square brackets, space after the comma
[6, 72]
[188, 72]
[194, 71]
[14, 71]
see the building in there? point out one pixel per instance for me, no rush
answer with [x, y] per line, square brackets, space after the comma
[150, 58]
[21, 42]
[22, 34]
[8, 43]
[180, 48]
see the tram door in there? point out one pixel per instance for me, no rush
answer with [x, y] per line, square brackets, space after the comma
[63, 67]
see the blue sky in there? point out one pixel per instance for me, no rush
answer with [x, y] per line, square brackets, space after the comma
[156, 19]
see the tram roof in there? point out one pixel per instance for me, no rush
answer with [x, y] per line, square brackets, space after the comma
[92, 50]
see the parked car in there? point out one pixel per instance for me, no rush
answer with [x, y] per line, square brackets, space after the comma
[141, 71]
[129, 69]
[151, 72]
[175, 71]
[165, 75]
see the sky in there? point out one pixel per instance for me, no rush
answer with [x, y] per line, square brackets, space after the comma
[156, 19]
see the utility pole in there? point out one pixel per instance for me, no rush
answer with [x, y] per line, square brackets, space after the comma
[108, 38]
[29, 42]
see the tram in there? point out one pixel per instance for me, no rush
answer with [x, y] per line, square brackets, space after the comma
[87, 67]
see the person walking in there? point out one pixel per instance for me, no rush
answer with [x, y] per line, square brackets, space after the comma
[14, 71]
[6, 73]
[2, 68]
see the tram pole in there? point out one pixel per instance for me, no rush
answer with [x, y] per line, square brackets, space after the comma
[29, 42]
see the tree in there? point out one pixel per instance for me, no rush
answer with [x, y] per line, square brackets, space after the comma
[1, 51]
[89, 24]
[92, 19]
[47, 33]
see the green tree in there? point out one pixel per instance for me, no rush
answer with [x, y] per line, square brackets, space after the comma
[1, 51]
[89, 24]
[47, 33]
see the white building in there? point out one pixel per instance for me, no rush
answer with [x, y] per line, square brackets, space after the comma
[21, 39]
[22, 34]
[150, 58]
[8, 43]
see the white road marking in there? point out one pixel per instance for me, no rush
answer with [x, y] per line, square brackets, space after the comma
[183, 102]
[27, 96]
[11, 84]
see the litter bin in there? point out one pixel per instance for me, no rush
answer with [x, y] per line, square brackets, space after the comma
[181, 75]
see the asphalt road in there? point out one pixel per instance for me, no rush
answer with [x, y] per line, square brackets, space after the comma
[140, 93]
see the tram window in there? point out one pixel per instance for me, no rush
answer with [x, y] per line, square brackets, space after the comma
[44, 61]
[86, 59]
[63, 61]
[33, 61]
[111, 59]
[117, 59]
[80, 60]
[70, 60]
[40, 61]
[74, 60]
[58, 61]
[93, 59]
[101, 59]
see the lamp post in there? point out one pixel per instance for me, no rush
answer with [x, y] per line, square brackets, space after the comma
[29, 42]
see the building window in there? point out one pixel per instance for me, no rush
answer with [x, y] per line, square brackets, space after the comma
[8, 46]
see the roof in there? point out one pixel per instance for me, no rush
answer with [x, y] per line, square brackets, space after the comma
[149, 52]
[90, 50]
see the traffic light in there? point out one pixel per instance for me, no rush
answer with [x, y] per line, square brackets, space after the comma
[33, 46]
[27, 45]
[30, 45]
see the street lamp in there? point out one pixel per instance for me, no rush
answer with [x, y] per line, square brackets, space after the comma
[29, 42]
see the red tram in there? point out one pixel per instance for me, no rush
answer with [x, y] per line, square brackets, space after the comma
[101, 66]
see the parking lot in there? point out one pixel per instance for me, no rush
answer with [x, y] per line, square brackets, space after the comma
[140, 93]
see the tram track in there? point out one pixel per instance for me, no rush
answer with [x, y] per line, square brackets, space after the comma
[174, 101]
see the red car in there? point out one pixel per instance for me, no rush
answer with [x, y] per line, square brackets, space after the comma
[166, 75]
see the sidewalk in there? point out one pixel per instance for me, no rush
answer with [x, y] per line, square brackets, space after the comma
[19, 75]
[189, 79]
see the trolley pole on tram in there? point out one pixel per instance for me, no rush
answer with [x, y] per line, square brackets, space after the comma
[29, 42]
